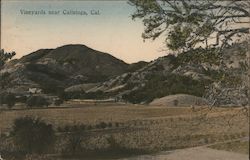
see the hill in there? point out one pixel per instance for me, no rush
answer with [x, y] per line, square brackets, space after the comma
[55, 69]
[179, 100]
[196, 72]
[78, 71]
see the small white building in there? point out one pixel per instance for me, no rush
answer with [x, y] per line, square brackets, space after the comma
[35, 90]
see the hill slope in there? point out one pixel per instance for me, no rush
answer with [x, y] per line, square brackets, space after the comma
[82, 72]
[53, 69]
[191, 72]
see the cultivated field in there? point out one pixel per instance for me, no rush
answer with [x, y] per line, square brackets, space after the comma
[69, 114]
[147, 128]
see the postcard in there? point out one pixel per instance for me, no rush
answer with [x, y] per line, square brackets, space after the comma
[125, 80]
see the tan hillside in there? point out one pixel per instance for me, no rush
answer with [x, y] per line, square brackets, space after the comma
[179, 100]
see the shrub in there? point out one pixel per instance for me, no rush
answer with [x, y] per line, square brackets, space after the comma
[66, 128]
[117, 124]
[110, 125]
[89, 127]
[32, 135]
[83, 95]
[37, 101]
[8, 98]
[103, 125]
[74, 141]
[58, 102]
[72, 128]
[72, 95]
[21, 99]
[3, 135]
[117, 148]
[75, 128]
[176, 102]
[82, 127]
[60, 129]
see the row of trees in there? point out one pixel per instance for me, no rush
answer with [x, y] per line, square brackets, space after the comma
[34, 101]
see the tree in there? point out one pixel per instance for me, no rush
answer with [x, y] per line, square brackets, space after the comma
[193, 23]
[74, 143]
[210, 27]
[7, 98]
[32, 135]
[5, 56]
[4, 80]
[37, 101]
[58, 102]
[10, 99]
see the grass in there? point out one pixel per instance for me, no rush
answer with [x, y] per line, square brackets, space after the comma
[235, 146]
[90, 114]
[136, 127]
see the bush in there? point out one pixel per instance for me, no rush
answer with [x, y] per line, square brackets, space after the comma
[60, 129]
[32, 135]
[66, 128]
[117, 124]
[89, 127]
[21, 99]
[176, 102]
[82, 127]
[74, 139]
[37, 101]
[83, 95]
[103, 125]
[110, 125]
[58, 102]
[8, 98]
[116, 148]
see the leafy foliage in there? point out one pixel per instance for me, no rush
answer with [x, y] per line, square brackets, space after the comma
[58, 102]
[5, 56]
[37, 101]
[8, 98]
[188, 24]
[159, 86]
[199, 55]
[32, 135]
[85, 95]
[4, 80]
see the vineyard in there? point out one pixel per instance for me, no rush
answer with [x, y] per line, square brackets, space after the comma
[137, 128]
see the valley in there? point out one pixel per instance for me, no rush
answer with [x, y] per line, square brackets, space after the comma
[99, 107]
[142, 128]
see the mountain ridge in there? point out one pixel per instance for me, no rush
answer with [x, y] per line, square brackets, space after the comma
[95, 74]
[63, 66]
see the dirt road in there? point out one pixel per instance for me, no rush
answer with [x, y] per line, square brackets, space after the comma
[196, 153]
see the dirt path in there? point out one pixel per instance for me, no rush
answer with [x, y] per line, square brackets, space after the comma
[196, 153]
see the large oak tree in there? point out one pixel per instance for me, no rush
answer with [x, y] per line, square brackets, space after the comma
[193, 23]
[213, 25]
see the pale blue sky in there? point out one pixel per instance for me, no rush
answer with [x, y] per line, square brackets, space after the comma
[113, 31]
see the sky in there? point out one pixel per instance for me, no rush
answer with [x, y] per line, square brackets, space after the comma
[111, 31]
